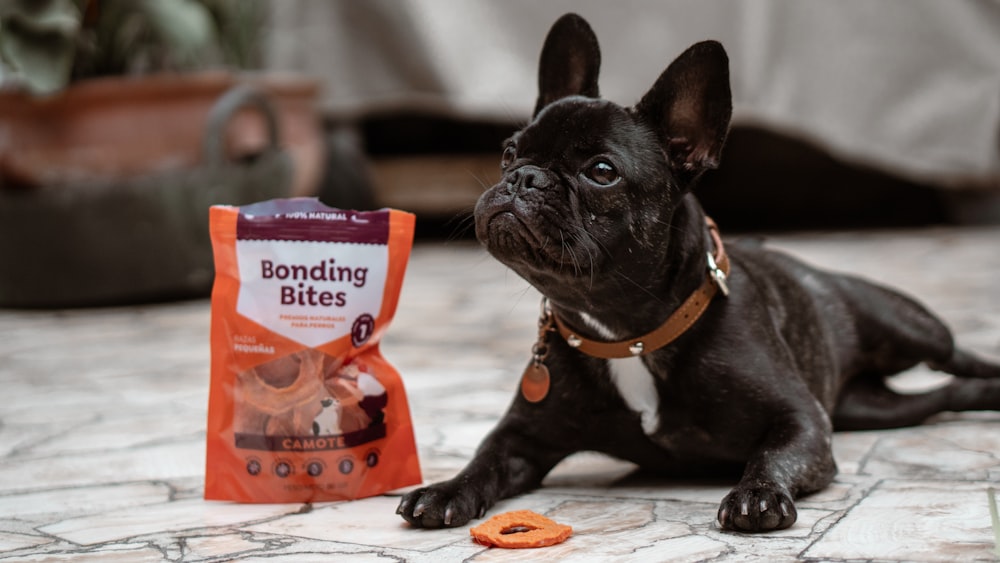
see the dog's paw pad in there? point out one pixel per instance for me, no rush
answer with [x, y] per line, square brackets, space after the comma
[757, 509]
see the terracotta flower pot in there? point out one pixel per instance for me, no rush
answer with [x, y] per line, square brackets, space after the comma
[115, 208]
[121, 127]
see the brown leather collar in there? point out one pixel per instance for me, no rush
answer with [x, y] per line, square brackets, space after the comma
[675, 325]
[535, 381]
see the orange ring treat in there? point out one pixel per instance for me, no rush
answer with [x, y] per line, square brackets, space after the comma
[520, 529]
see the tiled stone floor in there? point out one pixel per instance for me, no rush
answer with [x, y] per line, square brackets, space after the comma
[102, 424]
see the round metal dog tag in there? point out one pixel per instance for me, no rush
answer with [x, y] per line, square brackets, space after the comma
[535, 382]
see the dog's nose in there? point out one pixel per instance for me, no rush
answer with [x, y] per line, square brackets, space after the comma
[528, 177]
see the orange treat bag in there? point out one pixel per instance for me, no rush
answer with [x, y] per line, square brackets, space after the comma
[302, 405]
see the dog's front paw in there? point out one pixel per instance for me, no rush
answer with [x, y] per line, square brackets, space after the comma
[757, 509]
[442, 505]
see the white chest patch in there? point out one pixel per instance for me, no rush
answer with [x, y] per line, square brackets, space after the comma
[637, 387]
[635, 383]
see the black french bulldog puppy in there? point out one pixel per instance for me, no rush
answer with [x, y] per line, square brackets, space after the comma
[594, 209]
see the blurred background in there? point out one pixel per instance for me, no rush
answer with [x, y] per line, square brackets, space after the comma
[121, 121]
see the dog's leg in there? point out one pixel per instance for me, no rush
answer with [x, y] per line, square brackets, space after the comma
[896, 333]
[795, 458]
[866, 403]
[964, 364]
[510, 461]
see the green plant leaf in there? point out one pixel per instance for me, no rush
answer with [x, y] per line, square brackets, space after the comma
[185, 28]
[38, 42]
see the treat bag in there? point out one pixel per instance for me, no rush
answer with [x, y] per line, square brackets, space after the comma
[302, 405]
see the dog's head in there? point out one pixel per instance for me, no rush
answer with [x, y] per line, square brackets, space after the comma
[589, 186]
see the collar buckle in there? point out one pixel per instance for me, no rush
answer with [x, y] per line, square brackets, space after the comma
[718, 276]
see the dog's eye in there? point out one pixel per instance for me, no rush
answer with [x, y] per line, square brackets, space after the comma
[603, 173]
[508, 156]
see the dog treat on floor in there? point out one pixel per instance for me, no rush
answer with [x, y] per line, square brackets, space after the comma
[520, 529]
[303, 407]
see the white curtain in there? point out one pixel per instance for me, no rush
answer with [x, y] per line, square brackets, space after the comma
[911, 86]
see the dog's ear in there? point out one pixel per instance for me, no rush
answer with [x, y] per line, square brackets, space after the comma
[570, 62]
[689, 107]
